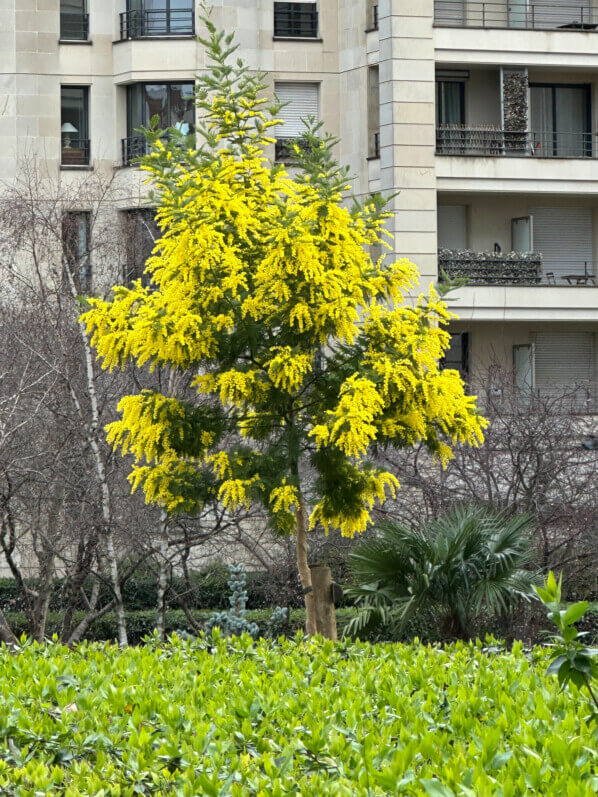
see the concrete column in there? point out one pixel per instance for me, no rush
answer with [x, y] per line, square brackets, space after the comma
[408, 129]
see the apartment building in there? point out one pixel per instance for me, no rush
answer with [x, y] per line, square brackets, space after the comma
[480, 117]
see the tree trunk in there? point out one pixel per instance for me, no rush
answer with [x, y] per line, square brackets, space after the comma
[6, 635]
[105, 492]
[162, 575]
[92, 431]
[324, 604]
[303, 567]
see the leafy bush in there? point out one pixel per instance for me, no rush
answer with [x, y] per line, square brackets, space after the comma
[222, 716]
[140, 592]
[465, 561]
[573, 662]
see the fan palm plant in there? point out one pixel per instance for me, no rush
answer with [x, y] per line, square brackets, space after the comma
[466, 560]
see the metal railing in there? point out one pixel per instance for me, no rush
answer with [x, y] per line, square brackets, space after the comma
[374, 148]
[491, 142]
[514, 268]
[503, 397]
[515, 14]
[284, 149]
[564, 272]
[373, 18]
[134, 147]
[74, 26]
[75, 152]
[296, 20]
[142, 24]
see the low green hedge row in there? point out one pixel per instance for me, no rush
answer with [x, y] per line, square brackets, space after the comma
[231, 717]
[142, 624]
[209, 591]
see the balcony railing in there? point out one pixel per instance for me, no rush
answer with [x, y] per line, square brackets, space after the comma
[372, 18]
[514, 268]
[490, 268]
[491, 142]
[374, 148]
[75, 152]
[296, 20]
[516, 14]
[284, 149]
[74, 26]
[142, 24]
[132, 148]
[137, 146]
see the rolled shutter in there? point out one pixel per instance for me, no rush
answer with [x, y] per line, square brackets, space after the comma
[557, 13]
[564, 238]
[302, 99]
[563, 359]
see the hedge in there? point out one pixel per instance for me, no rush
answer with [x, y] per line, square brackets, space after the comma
[209, 591]
[231, 717]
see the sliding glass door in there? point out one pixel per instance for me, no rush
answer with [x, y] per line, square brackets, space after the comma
[560, 120]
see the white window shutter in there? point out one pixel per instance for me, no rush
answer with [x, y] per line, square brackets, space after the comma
[563, 360]
[303, 101]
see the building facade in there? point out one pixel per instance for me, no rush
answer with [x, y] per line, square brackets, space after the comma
[479, 118]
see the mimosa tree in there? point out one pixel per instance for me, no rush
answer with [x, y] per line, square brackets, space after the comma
[304, 353]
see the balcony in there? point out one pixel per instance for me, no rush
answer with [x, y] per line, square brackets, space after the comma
[512, 268]
[147, 24]
[490, 268]
[74, 152]
[74, 26]
[295, 21]
[491, 142]
[132, 148]
[516, 15]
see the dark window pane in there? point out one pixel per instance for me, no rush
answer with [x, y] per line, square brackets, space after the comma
[140, 232]
[74, 125]
[182, 107]
[156, 102]
[76, 248]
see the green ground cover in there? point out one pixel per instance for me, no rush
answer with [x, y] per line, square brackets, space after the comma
[221, 717]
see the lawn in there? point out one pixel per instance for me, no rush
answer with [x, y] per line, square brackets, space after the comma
[294, 717]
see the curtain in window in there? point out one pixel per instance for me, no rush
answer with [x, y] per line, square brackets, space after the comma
[449, 105]
[542, 119]
[559, 119]
[570, 122]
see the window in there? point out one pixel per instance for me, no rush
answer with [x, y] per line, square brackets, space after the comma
[302, 102]
[372, 15]
[75, 248]
[450, 102]
[557, 363]
[173, 103]
[373, 113]
[560, 120]
[457, 355]
[140, 232]
[563, 360]
[74, 20]
[296, 20]
[452, 227]
[74, 125]
[146, 18]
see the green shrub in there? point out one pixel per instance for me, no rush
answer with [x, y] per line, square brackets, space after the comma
[466, 561]
[231, 717]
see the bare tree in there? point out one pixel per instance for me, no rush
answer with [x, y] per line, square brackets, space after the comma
[533, 460]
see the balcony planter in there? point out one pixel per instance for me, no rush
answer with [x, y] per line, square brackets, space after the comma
[491, 268]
